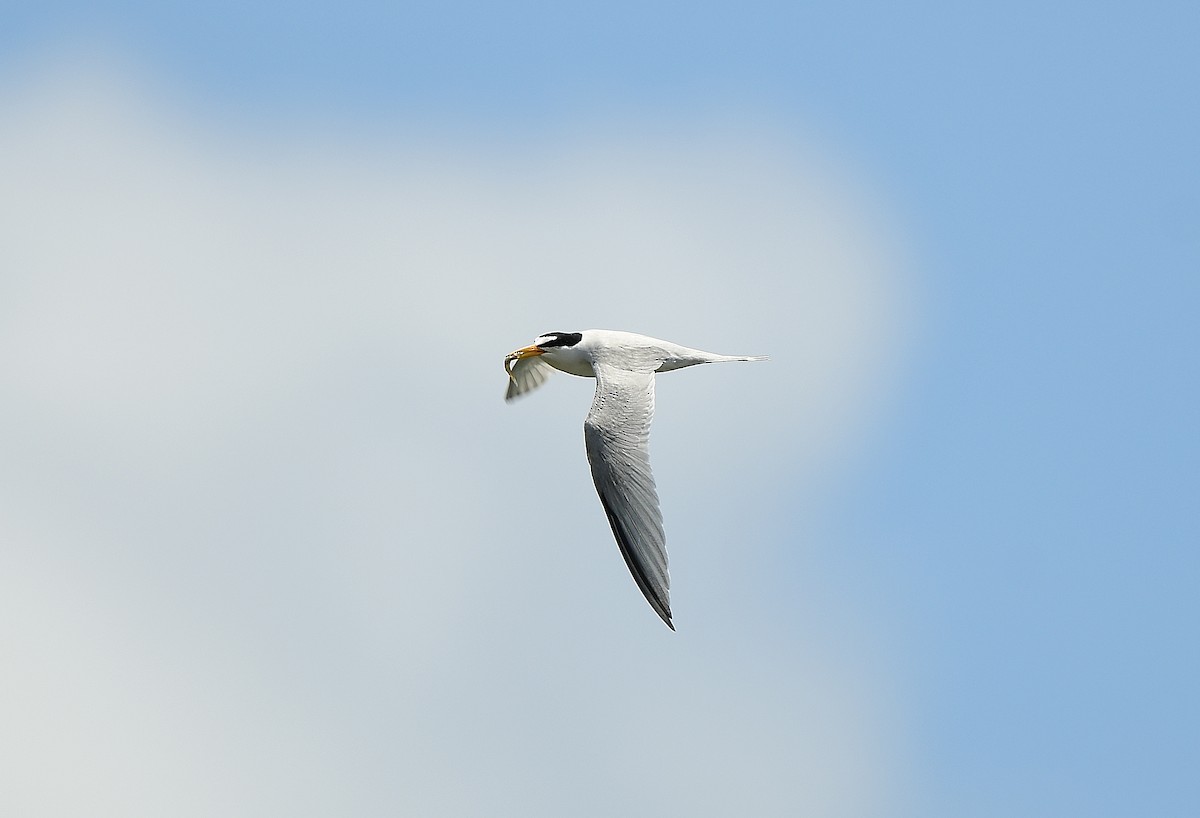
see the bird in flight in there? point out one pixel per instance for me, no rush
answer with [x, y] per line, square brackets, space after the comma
[616, 432]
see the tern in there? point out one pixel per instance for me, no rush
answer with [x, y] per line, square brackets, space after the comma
[616, 432]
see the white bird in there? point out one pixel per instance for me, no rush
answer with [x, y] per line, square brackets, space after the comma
[616, 432]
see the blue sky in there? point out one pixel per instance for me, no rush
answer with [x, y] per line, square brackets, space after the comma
[1003, 534]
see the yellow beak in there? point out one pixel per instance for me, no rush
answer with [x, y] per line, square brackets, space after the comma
[511, 358]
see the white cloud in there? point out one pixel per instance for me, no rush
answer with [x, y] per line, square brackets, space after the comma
[272, 545]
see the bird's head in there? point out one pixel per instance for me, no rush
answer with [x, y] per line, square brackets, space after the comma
[549, 344]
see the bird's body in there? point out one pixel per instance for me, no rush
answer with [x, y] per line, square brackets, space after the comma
[617, 432]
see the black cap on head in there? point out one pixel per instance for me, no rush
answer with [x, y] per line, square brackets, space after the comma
[558, 339]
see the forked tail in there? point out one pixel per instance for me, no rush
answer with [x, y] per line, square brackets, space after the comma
[724, 358]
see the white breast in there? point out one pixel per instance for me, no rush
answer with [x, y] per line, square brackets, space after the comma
[570, 360]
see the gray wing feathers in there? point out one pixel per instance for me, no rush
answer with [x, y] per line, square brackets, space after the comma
[617, 434]
[527, 375]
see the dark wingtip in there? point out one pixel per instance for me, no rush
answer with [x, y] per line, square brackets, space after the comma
[664, 613]
[661, 606]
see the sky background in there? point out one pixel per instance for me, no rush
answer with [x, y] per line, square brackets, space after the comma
[273, 544]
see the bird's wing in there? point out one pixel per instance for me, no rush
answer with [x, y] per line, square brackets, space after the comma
[617, 434]
[527, 375]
